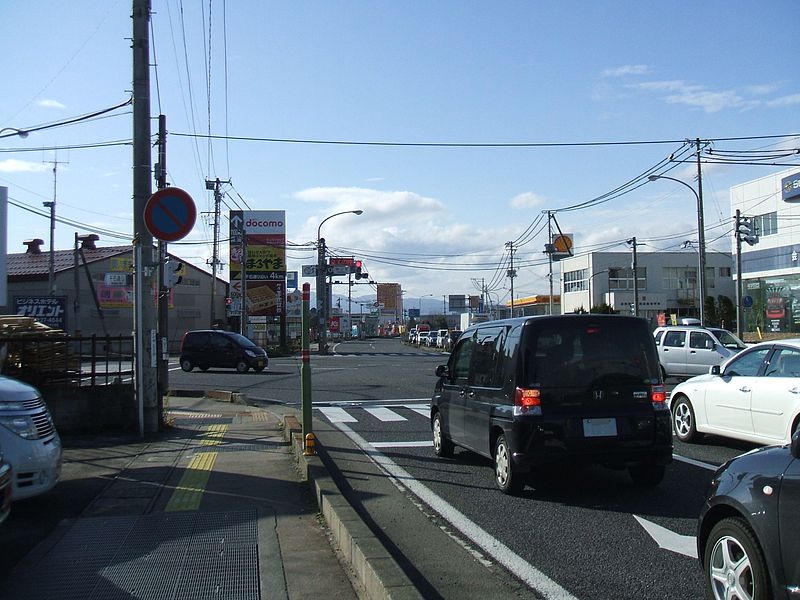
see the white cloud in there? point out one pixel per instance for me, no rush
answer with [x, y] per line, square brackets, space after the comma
[695, 95]
[50, 104]
[626, 70]
[784, 101]
[527, 200]
[763, 89]
[21, 166]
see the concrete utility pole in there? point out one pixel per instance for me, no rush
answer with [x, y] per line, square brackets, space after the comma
[511, 273]
[634, 268]
[144, 253]
[701, 238]
[550, 260]
[322, 296]
[215, 185]
[51, 279]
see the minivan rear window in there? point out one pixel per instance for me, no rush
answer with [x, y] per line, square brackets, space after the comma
[580, 353]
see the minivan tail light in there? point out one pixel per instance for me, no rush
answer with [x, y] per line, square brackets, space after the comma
[527, 401]
[658, 396]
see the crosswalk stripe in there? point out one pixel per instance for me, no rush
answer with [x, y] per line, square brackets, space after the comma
[421, 409]
[384, 414]
[337, 415]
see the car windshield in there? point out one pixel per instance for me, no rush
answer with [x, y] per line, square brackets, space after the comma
[243, 341]
[583, 353]
[727, 339]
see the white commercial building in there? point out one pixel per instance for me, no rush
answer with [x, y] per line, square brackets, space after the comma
[771, 268]
[667, 282]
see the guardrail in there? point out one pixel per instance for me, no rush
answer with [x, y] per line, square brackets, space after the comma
[49, 360]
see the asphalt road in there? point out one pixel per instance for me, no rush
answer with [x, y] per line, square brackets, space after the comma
[581, 534]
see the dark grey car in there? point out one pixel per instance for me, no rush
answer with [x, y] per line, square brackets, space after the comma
[215, 348]
[747, 540]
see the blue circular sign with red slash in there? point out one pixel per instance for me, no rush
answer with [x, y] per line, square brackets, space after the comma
[170, 214]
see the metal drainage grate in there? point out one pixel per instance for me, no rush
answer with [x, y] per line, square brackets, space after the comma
[243, 447]
[170, 556]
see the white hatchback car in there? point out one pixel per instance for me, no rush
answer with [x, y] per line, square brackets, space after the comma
[754, 396]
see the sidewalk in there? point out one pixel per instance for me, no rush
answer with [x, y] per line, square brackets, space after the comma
[214, 507]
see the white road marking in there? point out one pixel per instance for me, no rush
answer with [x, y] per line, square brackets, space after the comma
[490, 545]
[422, 444]
[422, 409]
[337, 415]
[669, 540]
[696, 463]
[384, 414]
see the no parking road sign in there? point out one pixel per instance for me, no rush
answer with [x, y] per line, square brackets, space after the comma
[170, 214]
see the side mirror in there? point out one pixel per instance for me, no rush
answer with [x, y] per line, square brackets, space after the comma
[715, 370]
[442, 371]
[795, 445]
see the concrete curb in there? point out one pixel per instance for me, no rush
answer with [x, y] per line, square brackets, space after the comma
[379, 573]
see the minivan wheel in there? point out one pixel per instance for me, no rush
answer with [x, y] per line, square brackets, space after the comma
[734, 563]
[186, 365]
[505, 476]
[683, 419]
[647, 475]
[441, 445]
[242, 366]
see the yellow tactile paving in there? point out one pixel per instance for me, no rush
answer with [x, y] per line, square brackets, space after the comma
[189, 491]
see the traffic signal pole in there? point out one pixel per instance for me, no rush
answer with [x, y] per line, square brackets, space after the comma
[739, 311]
[305, 364]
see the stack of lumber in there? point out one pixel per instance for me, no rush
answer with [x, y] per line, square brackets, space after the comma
[32, 348]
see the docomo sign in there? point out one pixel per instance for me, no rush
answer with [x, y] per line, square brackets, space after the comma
[264, 222]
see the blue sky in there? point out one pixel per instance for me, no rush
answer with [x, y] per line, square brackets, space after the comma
[436, 218]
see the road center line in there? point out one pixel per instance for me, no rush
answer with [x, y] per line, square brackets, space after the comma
[490, 545]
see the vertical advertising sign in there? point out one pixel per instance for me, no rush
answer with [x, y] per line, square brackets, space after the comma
[258, 252]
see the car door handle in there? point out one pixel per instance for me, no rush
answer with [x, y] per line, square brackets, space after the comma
[461, 393]
[744, 389]
[471, 394]
[795, 390]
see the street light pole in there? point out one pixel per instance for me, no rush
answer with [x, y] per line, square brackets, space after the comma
[14, 132]
[701, 242]
[322, 286]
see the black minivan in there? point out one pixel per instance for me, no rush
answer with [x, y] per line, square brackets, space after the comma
[217, 348]
[530, 391]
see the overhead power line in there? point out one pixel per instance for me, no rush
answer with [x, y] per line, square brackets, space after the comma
[460, 144]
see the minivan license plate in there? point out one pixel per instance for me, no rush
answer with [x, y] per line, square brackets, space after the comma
[599, 427]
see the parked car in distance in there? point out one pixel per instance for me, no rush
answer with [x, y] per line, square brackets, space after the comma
[686, 351]
[432, 337]
[28, 438]
[539, 390]
[422, 338]
[6, 484]
[754, 396]
[216, 348]
[412, 333]
[440, 338]
[744, 540]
